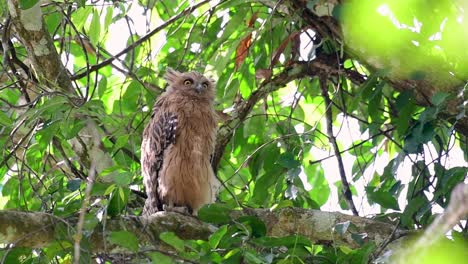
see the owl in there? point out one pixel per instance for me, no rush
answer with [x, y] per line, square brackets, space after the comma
[177, 145]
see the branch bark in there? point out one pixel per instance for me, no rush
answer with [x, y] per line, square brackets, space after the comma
[37, 229]
[30, 28]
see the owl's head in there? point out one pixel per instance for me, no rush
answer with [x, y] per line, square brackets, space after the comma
[192, 83]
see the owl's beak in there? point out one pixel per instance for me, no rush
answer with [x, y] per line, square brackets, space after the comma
[199, 88]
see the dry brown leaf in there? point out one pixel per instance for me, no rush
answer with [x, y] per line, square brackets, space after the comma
[244, 45]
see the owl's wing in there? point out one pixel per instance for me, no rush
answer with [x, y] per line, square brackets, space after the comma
[158, 135]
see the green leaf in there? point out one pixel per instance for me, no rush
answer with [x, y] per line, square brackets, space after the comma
[73, 184]
[359, 238]
[414, 205]
[95, 29]
[10, 187]
[52, 21]
[5, 120]
[406, 106]
[233, 257]
[375, 103]
[247, 81]
[348, 64]
[81, 3]
[109, 189]
[108, 17]
[121, 142]
[264, 182]
[420, 134]
[56, 248]
[214, 213]
[439, 98]
[16, 255]
[102, 86]
[270, 155]
[283, 204]
[99, 189]
[125, 239]
[366, 89]
[72, 127]
[384, 198]
[26, 4]
[132, 92]
[257, 225]
[320, 191]
[217, 236]
[118, 201]
[288, 160]
[81, 15]
[251, 257]
[171, 239]
[215, 257]
[123, 178]
[55, 106]
[90, 222]
[160, 258]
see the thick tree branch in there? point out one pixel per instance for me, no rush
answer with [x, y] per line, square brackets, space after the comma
[36, 230]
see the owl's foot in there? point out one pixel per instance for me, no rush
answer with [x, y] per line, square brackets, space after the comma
[178, 209]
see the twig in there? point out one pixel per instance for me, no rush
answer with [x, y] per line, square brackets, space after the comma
[84, 206]
[329, 118]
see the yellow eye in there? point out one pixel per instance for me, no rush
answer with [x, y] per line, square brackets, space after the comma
[187, 82]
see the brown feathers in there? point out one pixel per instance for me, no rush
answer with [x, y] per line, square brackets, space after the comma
[177, 144]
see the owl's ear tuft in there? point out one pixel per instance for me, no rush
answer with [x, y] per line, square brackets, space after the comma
[171, 75]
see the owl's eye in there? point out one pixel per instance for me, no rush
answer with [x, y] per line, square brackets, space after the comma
[188, 82]
[205, 85]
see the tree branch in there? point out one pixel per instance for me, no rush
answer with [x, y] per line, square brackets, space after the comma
[37, 229]
[29, 26]
[329, 119]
